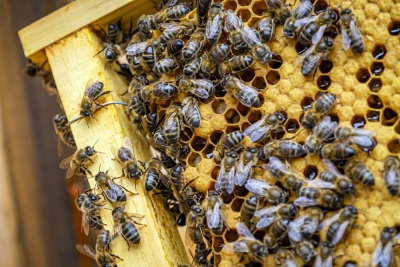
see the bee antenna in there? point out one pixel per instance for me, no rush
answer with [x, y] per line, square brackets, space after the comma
[74, 120]
[95, 144]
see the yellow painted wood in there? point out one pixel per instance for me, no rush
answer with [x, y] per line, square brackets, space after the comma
[73, 63]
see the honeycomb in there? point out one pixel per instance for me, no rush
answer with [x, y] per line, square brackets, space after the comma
[367, 86]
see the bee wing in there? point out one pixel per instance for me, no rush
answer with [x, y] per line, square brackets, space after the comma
[71, 171]
[363, 132]
[320, 184]
[199, 92]
[268, 211]
[111, 193]
[136, 48]
[257, 187]
[85, 223]
[303, 22]
[243, 230]
[303, 10]
[332, 168]
[355, 32]
[59, 146]
[340, 232]
[128, 144]
[86, 250]
[240, 247]
[386, 257]
[328, 221]
[318, 35]
[231, 179]
[213, 216]
[212, 27]
[294, 229]
[391, 176]
[266, 221]
[363, 141]
[291, 263]
[202, 85]
[245, 94]
[305, 202]
[65, 163]
[114, 150]
[327, 262]
[220, 178]
[377, 255]
[346, 40]
[250, 36]
[242, 172]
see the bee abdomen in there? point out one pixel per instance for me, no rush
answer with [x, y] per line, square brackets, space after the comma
[130, 232]
[152, 179]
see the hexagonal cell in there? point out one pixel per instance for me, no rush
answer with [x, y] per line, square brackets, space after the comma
[232, 116]
[231, 128]
[219, 106]
[194, 159]
[310, 172]
[394, 28]
[363, 75]
[334, 117]
[397, 128]
[244, 3]
[379, 51]
[259, 83]
[358, 121]
[244, 13]
[374, 102]
[208, 151]
[324, 82]
[301, 48]
[231, 235]
[377, 68]
[276, 61]
[373, 115]
[394, 146]
[278, 133]
[273, 77]
[215, 172]
[259, 7]
[244, 126]
[325, 66]
[243, 110]
[259, 234]
[198, 143]
[215, 136]
[218, 244]
[292, 126]
[186, 134]
[237, 204]
[254, 116]
[217, 259]
[227, 198]
[230, 5]
[241, 191]
[253, 21]
[164, 103]
[220, 91]
[247, 75]
[389, 117]
[307, 102]
[320, 6]
[375, 85]
[262, 100]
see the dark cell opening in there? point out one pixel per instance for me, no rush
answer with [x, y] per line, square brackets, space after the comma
[219, 106]
[186, 134]
[244, 2]
[217, 259]
[397, 128]
[394, 146]
[379, 52]
[241, 191]
[394, 28]
[230, 5]
[358, 121]
[310, 172]
[243, 110]
[259, 234]
[278, 133]
[292, 126]
[247, 75]
[363, 75]
[276, 62]
[215, 172]
[237, 204]
[334, 117]
[218, 244]
[231, 235]
[389, 117]
[375, 85]
[232, 116]
[215, 136]
[227, 198]
[377, 68]
[324, 82]
[373, 115]
[259, 83]
[220, 91]
[244, 14]
[273, 77]
[260, 7]
[230, 129]
[374, 102]
[307, 102]
[254, 116]
[325, 66]
[194, 159]
[198, 143]
[262, 100]
[320, 6]
[208, 151]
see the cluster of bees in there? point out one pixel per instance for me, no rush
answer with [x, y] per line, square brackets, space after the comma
[171, 57]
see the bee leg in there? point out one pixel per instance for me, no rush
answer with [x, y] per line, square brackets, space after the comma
[115, 256]
[128, 190]
[129, 246]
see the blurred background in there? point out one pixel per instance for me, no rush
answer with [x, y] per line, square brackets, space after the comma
[39, 223]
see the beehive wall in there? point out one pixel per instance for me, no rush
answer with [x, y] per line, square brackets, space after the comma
[367, 86]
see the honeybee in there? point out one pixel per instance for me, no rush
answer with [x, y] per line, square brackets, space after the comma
[200, 255]
[324, 255]
[313, 55]
[192, 68]
[338, 223]
[124, 225]
[194, 222]
[320, 134]
[232, 21]
[227, 142]
[248, 209]
[284, 149]
[312, 196]
[159, 90]
[290, 28]
[174, 30]
[342, 184]
[216, 55]
[304, 226]
[174, 47]
[166, 160]
[356, 169]
[203, 8]
[285, 258]
[244, 167]
[190, 111]
[214, 23]
[383, 253]
[63, 131]
[391, 174]
[92, 92]
[153, 174]
[152, 121]
[89, 205]
[364, 139]
[102, 254]
[235, 37]
[215, 216]
[149, 57]
[272, 194]
[269, 215]
[226, 175]
[303, 10]
[137, 48]
[235, 64]
[172, 124]
[314, 27]
[280, 10]
[111, 52]
[262, 52]
[166, 66]
[126, 156]
[194, 46]
[276, 233]
[111, 191]
[176, 175]
[259, 130]
[266, 28]
[337, 151]
[76, 163]
[247, 244]
[202, 88]
[306, 251]
[245, 94]
[289, 179]
[322, 105]
[177, 11]
[137, 104]
[351, 34]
